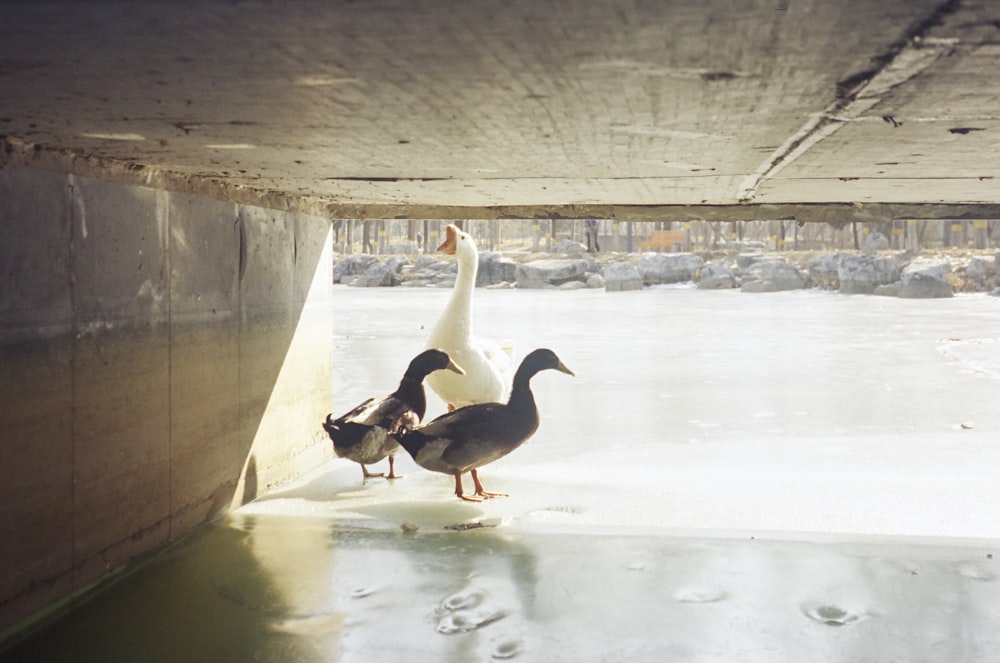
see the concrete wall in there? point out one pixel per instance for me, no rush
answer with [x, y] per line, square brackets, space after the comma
[162, 357]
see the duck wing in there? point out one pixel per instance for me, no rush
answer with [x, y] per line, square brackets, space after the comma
[492, 434]
[500, 352]
[500, 355]
[433, 438]
[360, 414]
[475, 435]
[367, 429]
[350, 435]
[385, 412]
[465, 421]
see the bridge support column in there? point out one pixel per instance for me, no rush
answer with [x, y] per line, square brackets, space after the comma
[162, 357]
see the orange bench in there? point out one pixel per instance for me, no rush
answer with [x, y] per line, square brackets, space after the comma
[663, 239]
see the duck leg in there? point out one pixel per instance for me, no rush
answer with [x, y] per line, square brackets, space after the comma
[458, 489]
[480, 491]
[392, 471]
[370, 475]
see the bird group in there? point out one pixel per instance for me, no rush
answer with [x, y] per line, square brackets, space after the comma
[471, 375]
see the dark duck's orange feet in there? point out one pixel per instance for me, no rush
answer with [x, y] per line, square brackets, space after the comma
[480, 491]
[461, 494]
[392, 470]
[370, 475]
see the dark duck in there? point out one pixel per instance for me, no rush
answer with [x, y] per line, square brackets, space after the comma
[472, 436]
[366, 434]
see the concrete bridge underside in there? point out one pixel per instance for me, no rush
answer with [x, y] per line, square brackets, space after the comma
[169, 170]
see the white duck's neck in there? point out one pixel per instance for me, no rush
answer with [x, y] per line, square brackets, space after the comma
[456, 321]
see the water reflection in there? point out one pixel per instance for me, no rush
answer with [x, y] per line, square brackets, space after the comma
[206, 598]
[305, 589]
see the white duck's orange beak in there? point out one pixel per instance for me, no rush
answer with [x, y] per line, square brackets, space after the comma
[450, 242]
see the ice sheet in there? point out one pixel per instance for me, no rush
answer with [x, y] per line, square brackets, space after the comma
[804, 411]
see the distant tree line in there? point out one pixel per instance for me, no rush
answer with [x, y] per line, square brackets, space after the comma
[424, 235]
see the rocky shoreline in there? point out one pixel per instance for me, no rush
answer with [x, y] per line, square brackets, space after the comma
[897, 274]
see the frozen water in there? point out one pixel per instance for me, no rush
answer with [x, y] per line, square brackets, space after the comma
[789, 428]
[799, 476]
[802, 411]
[274, 588]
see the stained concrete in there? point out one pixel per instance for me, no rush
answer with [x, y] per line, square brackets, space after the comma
[162, 357]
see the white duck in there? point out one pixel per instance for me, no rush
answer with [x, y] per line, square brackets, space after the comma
[488, 365]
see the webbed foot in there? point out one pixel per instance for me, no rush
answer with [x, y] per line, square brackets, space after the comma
[370, 475]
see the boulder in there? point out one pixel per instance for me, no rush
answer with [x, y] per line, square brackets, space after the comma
[549, 272]
[595, 281]
[656, 268]
[978, 275]
[744, 260]
[981, 269]
[823, 270]
[352, 265]
[716, 276]
[495, 269]
[568, 246]
[772, 275]
[379, 274]
[891, 290]
[925, 281]
[859, 274]
[431, 261]
[427, 268]
[445, 281]
[621, 276]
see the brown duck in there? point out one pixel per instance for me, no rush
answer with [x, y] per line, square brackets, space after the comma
[366, 434]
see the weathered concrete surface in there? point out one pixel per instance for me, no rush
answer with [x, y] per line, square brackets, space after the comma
[675, 110]
[161, 358]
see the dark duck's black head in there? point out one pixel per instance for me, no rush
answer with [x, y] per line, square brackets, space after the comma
[429, 361]
[538, 360]
[411, 387]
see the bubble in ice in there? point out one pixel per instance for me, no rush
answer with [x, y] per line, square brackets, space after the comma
[463, 621]
[507, 648]
[467, 610]
[831, 615]
[469, 597]
[699, 594]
